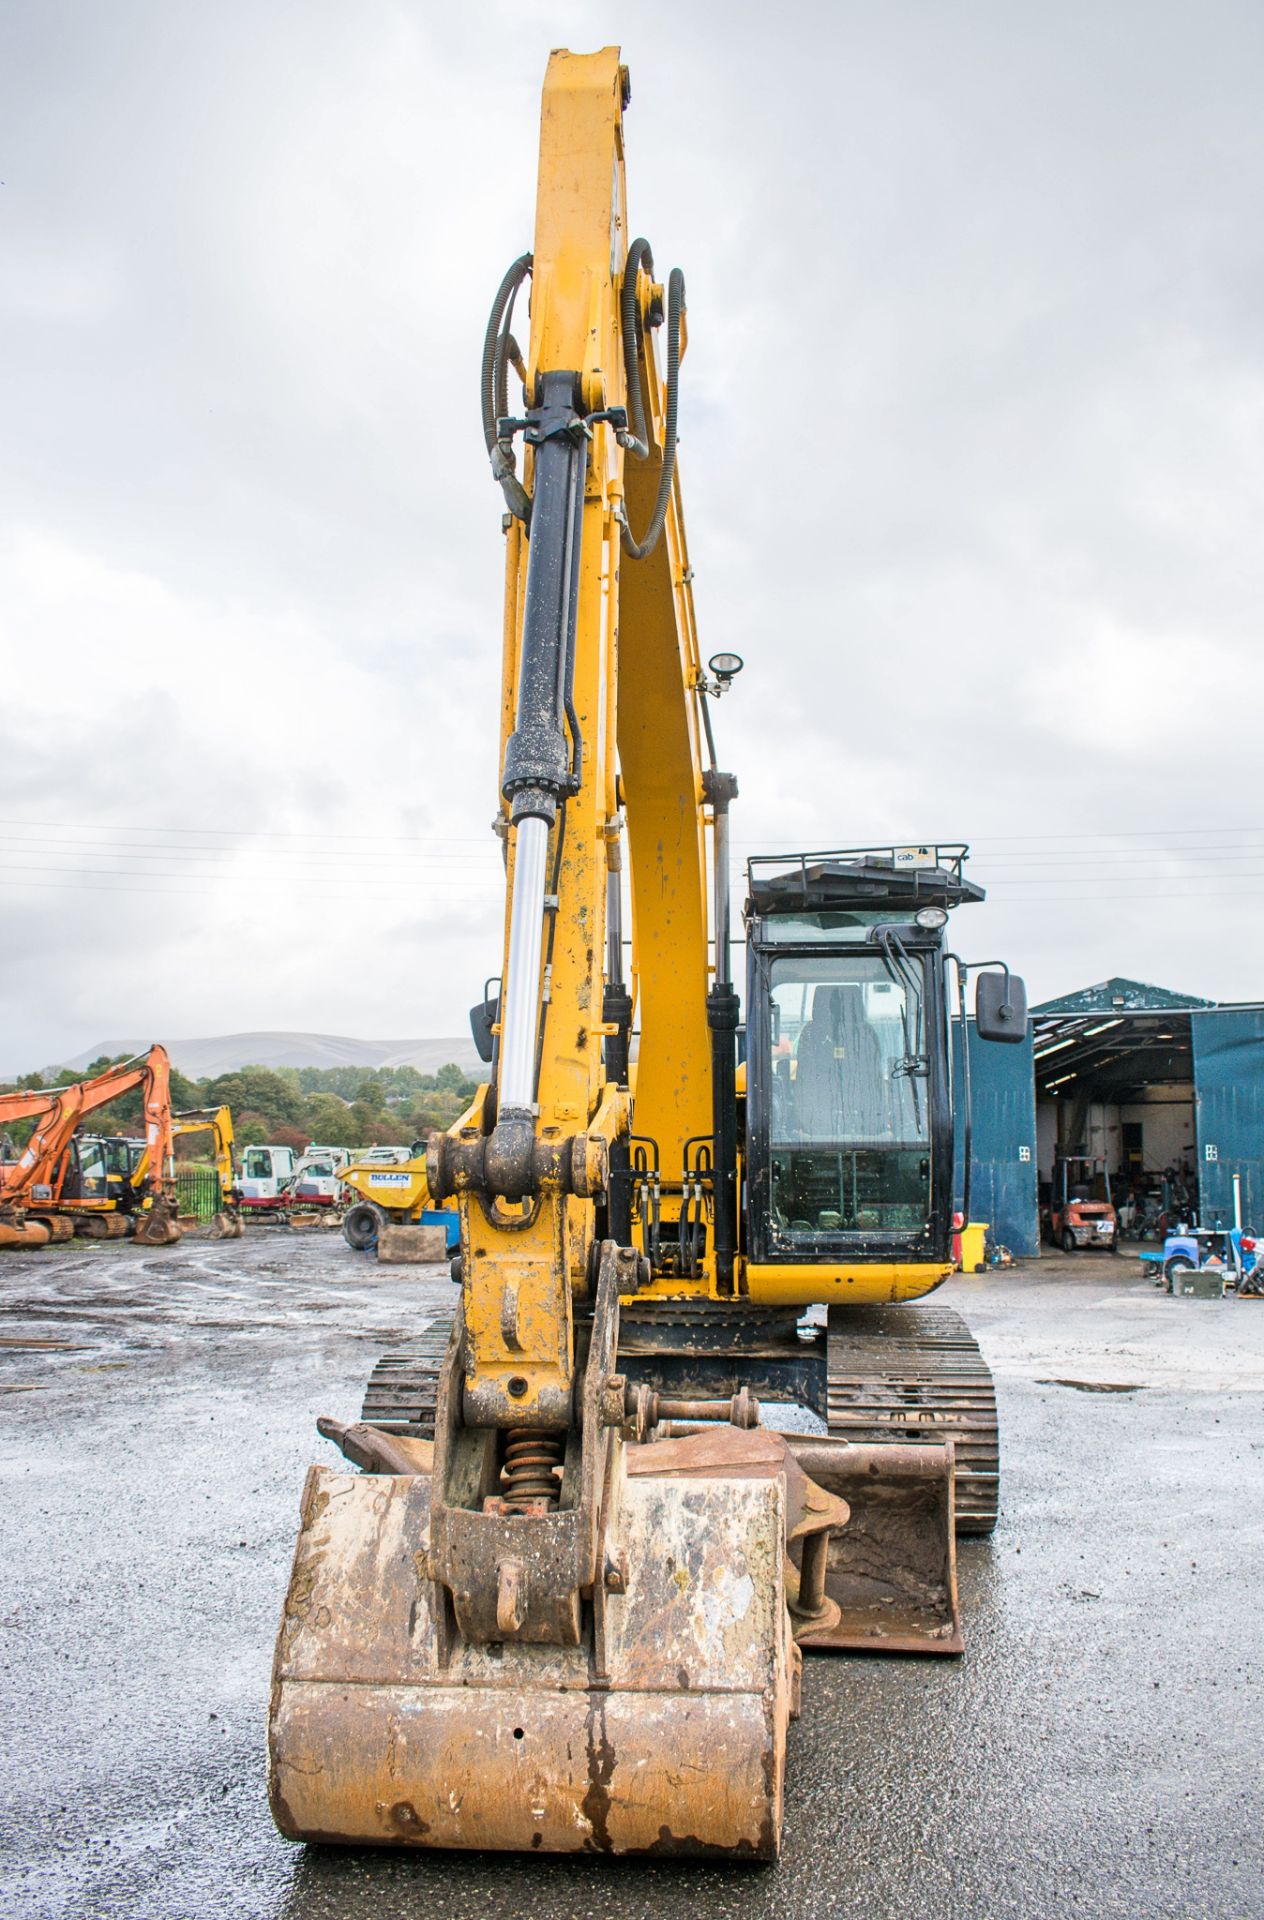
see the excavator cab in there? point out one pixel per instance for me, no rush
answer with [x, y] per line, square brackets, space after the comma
[849, 1113]
[98, 1169]
[123, 1155]
[85, 1175]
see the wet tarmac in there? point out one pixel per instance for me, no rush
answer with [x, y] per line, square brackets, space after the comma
[1096, 1752]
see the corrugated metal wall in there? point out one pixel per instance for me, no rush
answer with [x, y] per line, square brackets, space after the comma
[1004, 1191]
[1229, 1111]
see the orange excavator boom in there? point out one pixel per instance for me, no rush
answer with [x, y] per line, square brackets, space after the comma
[36, 1176]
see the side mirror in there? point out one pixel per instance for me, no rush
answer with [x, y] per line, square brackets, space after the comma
[1000, 1008]
[774, 1021]
[482, 1019]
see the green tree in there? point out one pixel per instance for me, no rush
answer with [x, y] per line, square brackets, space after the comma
[430, 1110]
[278, 1099]
[185, 1092]
[331, 1124]
[373, 1128]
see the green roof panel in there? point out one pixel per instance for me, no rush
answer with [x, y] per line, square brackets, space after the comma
[1118, 995]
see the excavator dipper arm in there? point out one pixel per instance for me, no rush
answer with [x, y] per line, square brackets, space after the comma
[218, 1122]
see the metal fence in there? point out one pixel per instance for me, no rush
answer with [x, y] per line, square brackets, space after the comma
[197, 1191]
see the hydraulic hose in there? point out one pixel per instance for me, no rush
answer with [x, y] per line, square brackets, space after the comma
[639, 253]
[498, 320]
[499, 347]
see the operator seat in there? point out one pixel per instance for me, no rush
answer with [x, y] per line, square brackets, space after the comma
[838, 1086]
[869, 1087]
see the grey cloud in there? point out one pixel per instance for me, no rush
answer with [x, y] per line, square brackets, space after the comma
[971, 424]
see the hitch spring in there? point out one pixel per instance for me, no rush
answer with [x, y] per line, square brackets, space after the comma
[531, 1470]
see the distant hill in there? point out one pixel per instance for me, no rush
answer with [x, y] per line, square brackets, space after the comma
[221, 1053]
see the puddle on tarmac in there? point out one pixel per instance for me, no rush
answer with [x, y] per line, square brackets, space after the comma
[1096, 1386]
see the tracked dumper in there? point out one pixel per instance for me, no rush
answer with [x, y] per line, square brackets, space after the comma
[556, 1597]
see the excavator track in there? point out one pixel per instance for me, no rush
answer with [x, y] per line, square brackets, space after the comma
[911, 1373]
[400, 1396]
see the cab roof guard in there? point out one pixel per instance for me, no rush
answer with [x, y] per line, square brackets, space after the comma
[843, 877]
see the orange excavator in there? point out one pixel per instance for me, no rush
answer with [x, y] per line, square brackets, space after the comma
[48, 1193]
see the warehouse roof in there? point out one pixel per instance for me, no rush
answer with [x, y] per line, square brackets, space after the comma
[1118, 995]
[1120, 1034]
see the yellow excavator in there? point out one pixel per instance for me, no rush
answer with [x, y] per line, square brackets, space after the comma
[226, 1223]
[555, 1599]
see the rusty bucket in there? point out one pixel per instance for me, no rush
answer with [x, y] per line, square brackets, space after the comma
[661, 1730]
[158, 1226]
[893, 1569]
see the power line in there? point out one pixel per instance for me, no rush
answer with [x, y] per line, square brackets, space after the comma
[401, 897]
[221, 828]
[779, 844]
[257, 833]
[1042, 859]
[343, 863]
[1115, 833]
[394, 891]
[444, 867]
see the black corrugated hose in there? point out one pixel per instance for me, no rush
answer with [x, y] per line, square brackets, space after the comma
[499, 347]
[498, 322]
[637, 442]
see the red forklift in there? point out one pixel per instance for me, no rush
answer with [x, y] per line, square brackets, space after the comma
[1081, 1213]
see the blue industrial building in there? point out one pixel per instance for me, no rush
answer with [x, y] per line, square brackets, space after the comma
[1163, 1087]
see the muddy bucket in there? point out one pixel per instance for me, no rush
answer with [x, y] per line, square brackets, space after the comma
[662, 1730]
[893, 1569]
[157, 1227]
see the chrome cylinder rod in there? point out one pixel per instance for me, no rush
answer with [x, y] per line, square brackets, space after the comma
[520, 1014]
[720, 878]
[614, 927]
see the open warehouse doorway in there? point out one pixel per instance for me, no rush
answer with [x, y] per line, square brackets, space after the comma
[1116, 1112]
[1157, 1100]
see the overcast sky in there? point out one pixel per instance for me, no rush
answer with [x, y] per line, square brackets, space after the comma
[971, 446]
